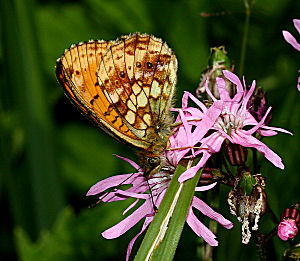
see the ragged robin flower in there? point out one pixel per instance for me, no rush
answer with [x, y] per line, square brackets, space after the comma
[227, 118]
[158, 183]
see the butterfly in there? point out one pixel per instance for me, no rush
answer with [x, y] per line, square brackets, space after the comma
[126, 87]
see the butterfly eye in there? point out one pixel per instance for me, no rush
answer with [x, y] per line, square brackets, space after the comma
[138, 65]
[153, 161]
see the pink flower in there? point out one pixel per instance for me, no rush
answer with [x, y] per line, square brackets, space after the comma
[159, 183]
[292, 41]
[228, 118]
[287, 229]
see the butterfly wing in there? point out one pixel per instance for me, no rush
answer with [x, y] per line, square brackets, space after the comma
[137, 75]
[125, 86]
[76, 72]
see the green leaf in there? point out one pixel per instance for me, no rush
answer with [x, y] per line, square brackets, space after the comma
[163, 235]
[28, 92]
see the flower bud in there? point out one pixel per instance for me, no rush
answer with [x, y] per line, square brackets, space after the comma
[235, 154]
[290, 223]
[218, 62]
[258, 105]
[207, 177]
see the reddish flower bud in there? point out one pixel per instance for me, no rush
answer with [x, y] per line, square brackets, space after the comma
[287, 229]
[290, 223]
[235, 154]
[207, 177]
[258, 105]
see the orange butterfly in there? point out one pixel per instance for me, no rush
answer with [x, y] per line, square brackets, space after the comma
[126, 87]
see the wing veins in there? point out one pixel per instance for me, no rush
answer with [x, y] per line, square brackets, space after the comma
[154, 74]
[122, 84]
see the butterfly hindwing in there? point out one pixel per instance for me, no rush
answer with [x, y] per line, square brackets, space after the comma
[137, 77]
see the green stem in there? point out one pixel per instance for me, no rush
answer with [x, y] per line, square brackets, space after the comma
[245, 37]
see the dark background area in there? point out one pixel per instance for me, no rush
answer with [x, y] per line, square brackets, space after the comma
[51, 155]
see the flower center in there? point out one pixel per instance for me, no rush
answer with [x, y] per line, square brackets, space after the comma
[228, 121]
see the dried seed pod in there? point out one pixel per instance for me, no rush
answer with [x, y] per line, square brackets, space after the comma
[248, 207]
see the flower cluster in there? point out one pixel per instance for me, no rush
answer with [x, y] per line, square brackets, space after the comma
[204, 130]
[158, 183]
[199, 132]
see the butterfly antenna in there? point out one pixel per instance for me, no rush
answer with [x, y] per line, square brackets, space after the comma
[151, 195]
[94, 204]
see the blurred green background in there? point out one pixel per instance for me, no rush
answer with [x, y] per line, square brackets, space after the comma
[51, 155]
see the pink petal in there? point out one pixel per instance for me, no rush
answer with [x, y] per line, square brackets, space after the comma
[119, 229]
[298, 85]
[205, 188]
[194, 99]
[235, 80]
[191, 172]
[297, 24]
[267, 133]
[208, 121]
[187, 128]
[209, 92]
[224, 95]
[208, 211]
[130, 194]
[200, 229]
[111, 182]
[259, 124]
[130, 245]
[276, 129]
[185, 100]
[250, 141]
[291, 40]
[248, 96]
[249, 120]
[130, 207]
[136, 166]
[215, 141]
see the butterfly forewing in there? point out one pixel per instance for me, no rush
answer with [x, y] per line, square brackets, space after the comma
[76, 71]
[125, 86]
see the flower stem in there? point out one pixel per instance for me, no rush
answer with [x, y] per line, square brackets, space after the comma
[255, 163]
[245, 37]
[259, 242]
